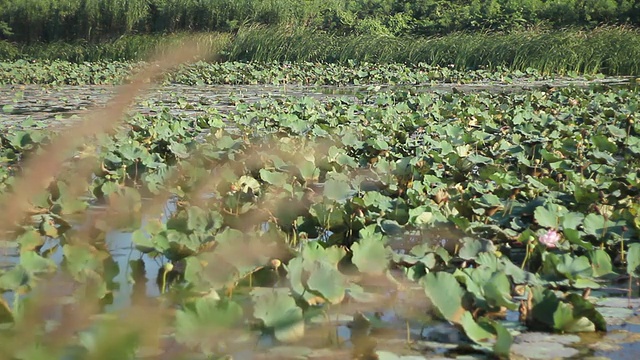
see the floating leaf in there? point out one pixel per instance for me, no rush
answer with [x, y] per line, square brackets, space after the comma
[473, 330]
[565, 321]
[445, 293]
[391, 227]
[547, 217]
[328, 281]
[205, 319]
[574, 267]
[600, 263]
[472, 247]
[596, 225]
[633, 260]
[35, 264]
[278, 311]
[497, 291]
[370, 255]
[273, 177]
[337, 190]
[30, 240]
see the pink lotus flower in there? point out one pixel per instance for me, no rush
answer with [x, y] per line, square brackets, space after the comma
[550, 239]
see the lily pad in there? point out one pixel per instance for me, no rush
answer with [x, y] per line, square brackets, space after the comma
[279, 312]
[543, 350]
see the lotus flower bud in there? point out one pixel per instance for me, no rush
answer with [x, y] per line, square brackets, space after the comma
[276, 263]
[168, 267]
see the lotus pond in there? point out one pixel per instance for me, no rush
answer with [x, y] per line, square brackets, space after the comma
[315, 223]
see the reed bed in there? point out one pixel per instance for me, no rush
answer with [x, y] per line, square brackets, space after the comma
[607, 50]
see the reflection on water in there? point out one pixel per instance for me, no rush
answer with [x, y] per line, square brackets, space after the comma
[123, 253]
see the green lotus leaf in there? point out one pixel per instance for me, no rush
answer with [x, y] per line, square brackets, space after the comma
[391, 227]
[603, 143]
[574, 236]
[445, 293]
[549, 216]
[497, 292]
[197, 219]
[545, 303]
[205, 319]
[79, 259]
[308, 170]
[582, 307]
[328, 281]
[504, 339]
[279, 312]
[30, 240]
[572, 220]
[565, 321]
[14, 279]
[247, 183]
[473, 330]
[600, 263]
[273, 177]
[314, 251]
[585, 194]
[604, 156]
[596, 225]
[370, 255]
[337, 190]
[377, 200]
[386, 355]
[179, 150]
[633, 260]
[574, 268]
[616, 131]
[472, 247]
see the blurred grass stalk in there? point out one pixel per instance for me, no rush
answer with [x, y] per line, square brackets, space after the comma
[607, 50]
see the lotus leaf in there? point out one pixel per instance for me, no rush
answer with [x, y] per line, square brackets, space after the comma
[279, 312]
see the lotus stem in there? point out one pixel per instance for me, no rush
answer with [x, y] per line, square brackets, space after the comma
[16, 303]
[526, 256]
[167, 269]
[408, 331]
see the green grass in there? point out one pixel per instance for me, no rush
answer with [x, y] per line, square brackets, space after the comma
[607, 50]
[610, 50]
[126, 48]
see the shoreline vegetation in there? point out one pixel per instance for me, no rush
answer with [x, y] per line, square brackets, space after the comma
[613, 50]
[28, 21]
[559, 36]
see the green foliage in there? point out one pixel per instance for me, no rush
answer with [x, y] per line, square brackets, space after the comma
[607, 50]
[315, 205]
[279, 313]
[90, 20]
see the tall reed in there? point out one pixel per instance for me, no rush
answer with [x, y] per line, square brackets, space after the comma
[608, 50]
